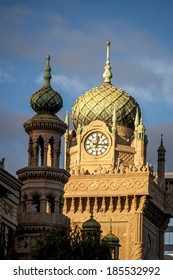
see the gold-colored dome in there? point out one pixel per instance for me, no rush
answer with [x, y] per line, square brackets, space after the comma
[99, 103]
[105, 102]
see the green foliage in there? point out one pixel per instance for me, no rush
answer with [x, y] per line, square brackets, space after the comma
[62, 244]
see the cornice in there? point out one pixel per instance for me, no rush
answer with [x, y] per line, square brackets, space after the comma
[51, 124]
[39, 172]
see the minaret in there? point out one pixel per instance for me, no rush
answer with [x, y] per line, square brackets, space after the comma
[43, 180]
[161, 164]
[66, 136]
[140, 140]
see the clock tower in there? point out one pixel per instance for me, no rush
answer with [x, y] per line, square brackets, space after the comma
[105, 154]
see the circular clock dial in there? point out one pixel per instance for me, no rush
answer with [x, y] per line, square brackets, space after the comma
[96, 143]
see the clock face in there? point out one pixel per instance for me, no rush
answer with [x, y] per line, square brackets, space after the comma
[96, 143]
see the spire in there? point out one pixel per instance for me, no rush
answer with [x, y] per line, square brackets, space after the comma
[67, 119]
[137, 119]
[47, 75]
[141, 125]
[107, 75]
[161, 150]
[67, 130]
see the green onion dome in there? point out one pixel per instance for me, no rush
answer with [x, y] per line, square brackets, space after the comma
[100, 102]
[111, 238]
[91, 224]
[46, 100]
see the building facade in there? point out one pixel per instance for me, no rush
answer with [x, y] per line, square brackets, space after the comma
[9, 200]
[105, 173]
[168, 242]
[106, 155]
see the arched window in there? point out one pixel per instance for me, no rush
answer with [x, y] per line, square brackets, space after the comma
[50, 205]
[40, 151]
[36, 203]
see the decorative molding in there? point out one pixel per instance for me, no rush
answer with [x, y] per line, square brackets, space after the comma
[107, 184]
[52, 125]
[31, 173]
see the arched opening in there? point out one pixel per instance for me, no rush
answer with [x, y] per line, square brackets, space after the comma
[36, 203]
[40, 151]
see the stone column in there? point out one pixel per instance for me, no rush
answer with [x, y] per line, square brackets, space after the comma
[80, 209]
[73, 205]
[29, 205]
[35, 156]
[111, 206]
[45, 156]
[119, 204]
[57, 207]
[138, 236]
[88, 205]
[65, 205]
[43, 205]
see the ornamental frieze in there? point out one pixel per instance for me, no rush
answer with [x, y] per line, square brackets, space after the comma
[132, 185]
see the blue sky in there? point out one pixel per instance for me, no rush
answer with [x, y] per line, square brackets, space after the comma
[74, 34]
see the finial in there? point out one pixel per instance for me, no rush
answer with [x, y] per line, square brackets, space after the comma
[137, 118]
[141, 119]
[47, 75]
[92, 215]
[107, 75]
[111, 226]
[161, 142]
[92, 207]
[67, 119]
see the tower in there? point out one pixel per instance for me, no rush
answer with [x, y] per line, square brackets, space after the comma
[106, 157]
[161, 164]
[41, 201]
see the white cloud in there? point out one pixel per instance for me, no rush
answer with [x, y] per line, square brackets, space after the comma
[163, 70]
[139, 92]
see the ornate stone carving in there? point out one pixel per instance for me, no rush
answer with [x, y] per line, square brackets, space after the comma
[31, 173]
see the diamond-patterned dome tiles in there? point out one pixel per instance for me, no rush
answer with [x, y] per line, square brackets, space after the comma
[46, 100]
[98, 104]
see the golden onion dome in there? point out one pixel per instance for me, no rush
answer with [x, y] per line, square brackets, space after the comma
[100, 102]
